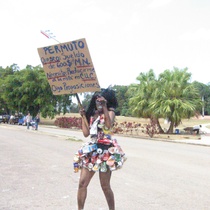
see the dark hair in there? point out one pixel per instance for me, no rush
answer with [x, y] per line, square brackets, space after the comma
[108, 94]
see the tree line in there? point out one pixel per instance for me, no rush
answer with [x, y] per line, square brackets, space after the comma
[27, 90]
[170, 95]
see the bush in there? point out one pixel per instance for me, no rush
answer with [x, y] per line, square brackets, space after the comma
[152, 129]
[131, 128]
[69, 122]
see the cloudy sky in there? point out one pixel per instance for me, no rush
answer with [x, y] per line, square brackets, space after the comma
[124, 37]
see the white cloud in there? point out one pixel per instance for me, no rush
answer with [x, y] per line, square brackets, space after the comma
[198, 35]
[92, 14]
[135, 19]
[124, 38]
[158, 3]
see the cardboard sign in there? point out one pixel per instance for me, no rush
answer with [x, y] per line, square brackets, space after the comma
[69, 68]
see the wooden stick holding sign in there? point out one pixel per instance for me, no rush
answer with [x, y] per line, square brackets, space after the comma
[81, 107]
[69, 68]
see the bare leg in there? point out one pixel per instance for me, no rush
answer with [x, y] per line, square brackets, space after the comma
[105, 178]
[85, 177]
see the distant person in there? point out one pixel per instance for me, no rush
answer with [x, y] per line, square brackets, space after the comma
[11, 119]
[37, 120]
[197, 128]
[28, 120]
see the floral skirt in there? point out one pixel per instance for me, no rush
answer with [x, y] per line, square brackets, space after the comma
[100, 156]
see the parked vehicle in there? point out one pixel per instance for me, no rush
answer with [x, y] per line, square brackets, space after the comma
[5, 118]
[13, 119]
[22, 120]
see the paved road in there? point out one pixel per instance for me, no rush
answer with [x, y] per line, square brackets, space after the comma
[36, 173]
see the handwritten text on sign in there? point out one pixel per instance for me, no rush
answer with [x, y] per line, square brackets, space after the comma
[69, 68]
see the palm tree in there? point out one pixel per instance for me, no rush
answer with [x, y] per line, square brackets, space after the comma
[142, 97]
[176, 98]
[171, 97]
[142, 94]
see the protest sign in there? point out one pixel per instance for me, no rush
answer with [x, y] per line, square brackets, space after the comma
[69, 68]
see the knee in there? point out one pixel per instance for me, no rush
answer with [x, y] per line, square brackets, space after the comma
[83, 184]
[105, 187]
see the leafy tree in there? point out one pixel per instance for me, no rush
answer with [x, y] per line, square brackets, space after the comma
[204, 91]
[28, 90]
[176, 98]
[9, 70]
[142, 92]
[207, 101]
[171, 96]
[122, 96]
[86, 99]
[74, 108]
[143, 97]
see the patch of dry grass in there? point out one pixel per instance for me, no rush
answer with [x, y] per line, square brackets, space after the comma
[120, 119]
[185, 122]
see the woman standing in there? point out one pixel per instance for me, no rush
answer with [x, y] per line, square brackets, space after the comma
[102, 153]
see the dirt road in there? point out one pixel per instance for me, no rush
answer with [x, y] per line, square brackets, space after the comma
[36, 173]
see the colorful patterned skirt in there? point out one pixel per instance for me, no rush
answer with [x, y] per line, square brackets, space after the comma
[100, 155]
